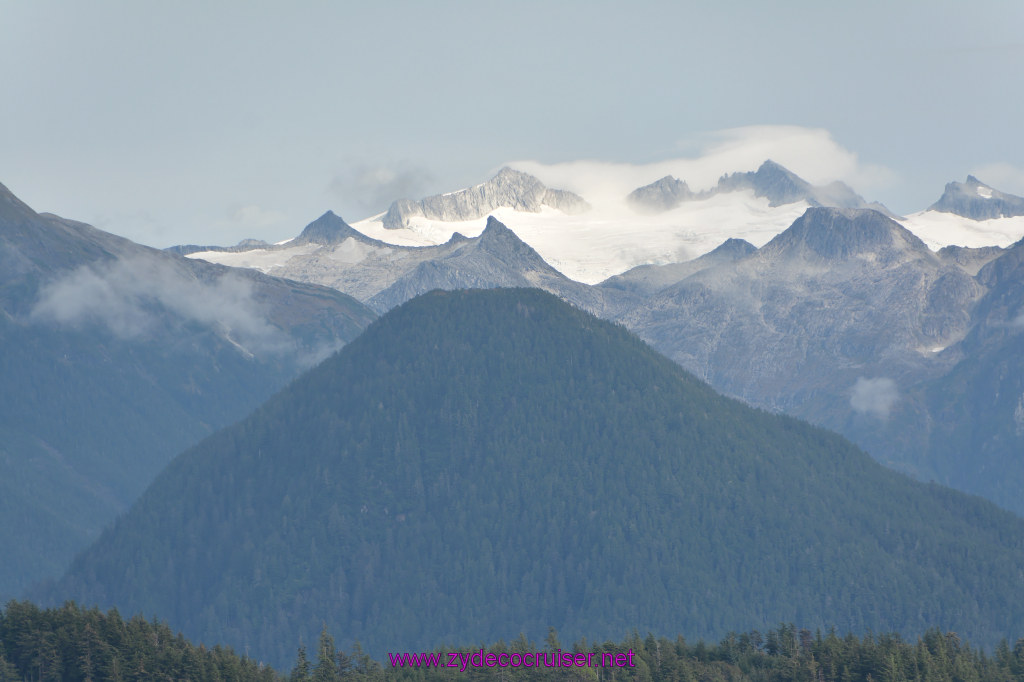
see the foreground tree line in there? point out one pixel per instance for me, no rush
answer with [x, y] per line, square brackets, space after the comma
[71, 643]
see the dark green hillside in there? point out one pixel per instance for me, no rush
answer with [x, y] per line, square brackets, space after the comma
[480, 463]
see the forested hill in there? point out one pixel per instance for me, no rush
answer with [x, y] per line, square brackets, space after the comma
[483, 463]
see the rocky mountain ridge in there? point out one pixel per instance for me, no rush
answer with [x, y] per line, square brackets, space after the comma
[771, 181]
[509, 188]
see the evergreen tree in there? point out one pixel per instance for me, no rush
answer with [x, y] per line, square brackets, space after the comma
[300, 673]
[326, 669]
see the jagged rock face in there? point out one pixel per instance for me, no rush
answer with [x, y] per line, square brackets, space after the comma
[509, 188]
[661, 195]
[976, 200]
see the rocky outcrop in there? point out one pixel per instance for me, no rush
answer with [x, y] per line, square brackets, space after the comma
[508, 189]
[976, 200]
[661, 195]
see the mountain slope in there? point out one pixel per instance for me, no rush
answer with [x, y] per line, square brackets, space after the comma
[968, 424]
[480, 463]
[113, 358]
[841, 294]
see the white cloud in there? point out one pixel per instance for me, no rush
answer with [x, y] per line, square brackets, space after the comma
[874, 396]
[127, 295]
[811, 153]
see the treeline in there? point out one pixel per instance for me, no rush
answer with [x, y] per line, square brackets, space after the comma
[74, 644]
[781, 655]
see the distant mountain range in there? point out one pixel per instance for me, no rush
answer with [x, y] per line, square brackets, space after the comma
[114, 357]
[661, 223]
[770, 181]
[843, 318]
[483, 463]
[119, 355]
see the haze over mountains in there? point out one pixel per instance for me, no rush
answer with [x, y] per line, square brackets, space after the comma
[115, 357]
[483, 463]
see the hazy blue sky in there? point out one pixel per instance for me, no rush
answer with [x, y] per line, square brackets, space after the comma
[210, 121]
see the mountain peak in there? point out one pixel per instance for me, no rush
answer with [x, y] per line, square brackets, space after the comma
[328, 229]
[771, 181]
[497, 235]
[975, 200]
[771, 167]
[733, 247]
[660, 195]
[509, 188]
[11, 206]
[835, 234]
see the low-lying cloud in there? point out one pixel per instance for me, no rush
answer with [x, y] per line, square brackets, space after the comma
[129, 296]
[874, 396]
[811, 153]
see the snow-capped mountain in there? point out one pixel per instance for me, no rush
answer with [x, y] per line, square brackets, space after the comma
[593, 236]
[970, 214]
[330, 252]
[599, 233]
[508, 189]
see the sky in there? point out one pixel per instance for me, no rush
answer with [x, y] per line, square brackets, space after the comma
[208, 122]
